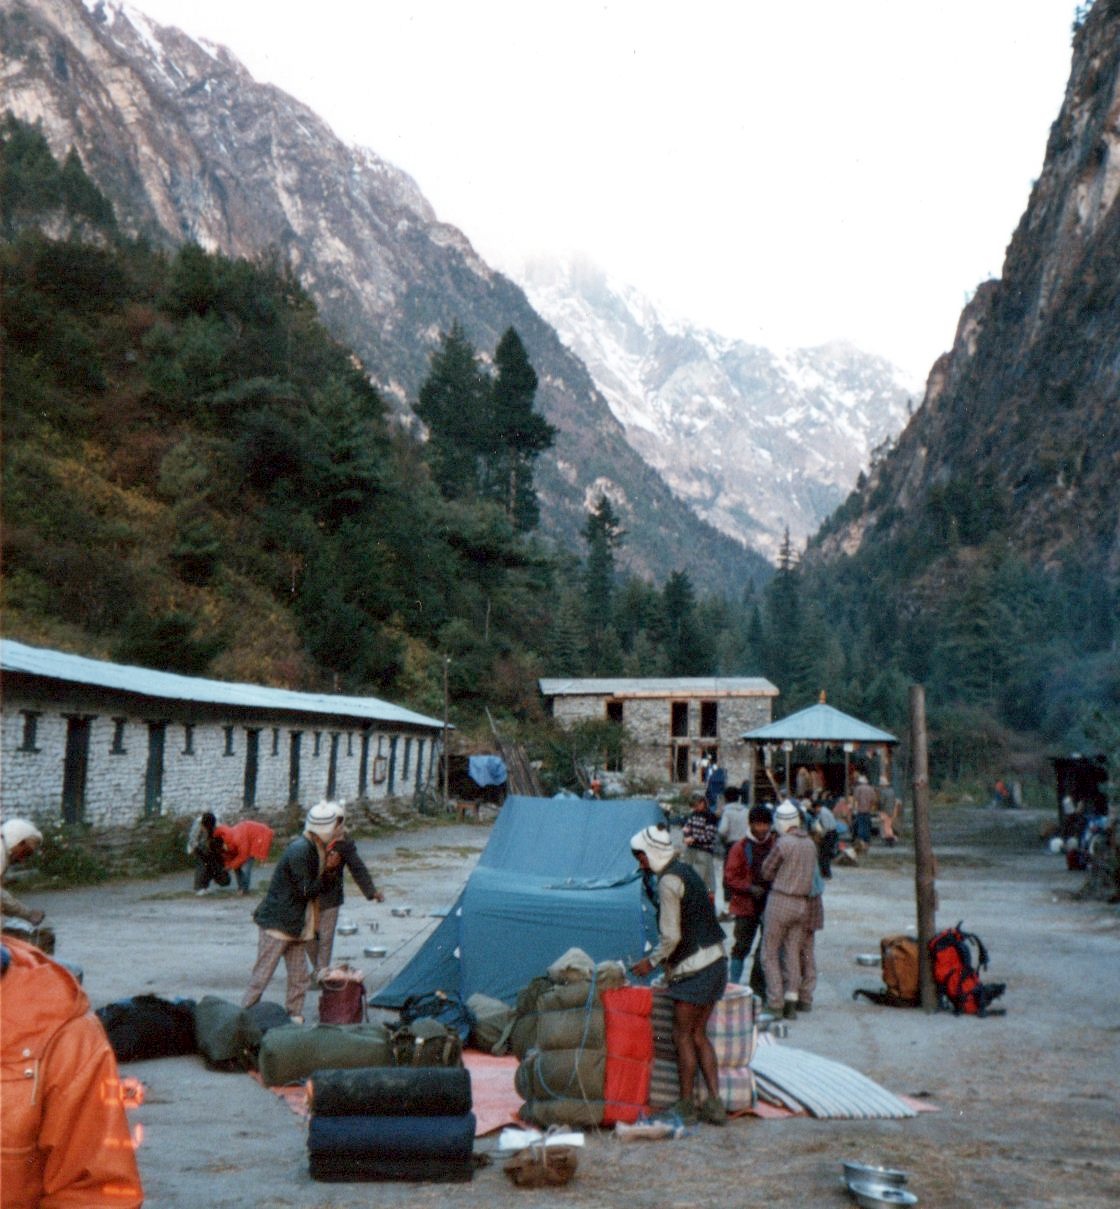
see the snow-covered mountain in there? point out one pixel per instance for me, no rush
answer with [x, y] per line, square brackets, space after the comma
[755, 440]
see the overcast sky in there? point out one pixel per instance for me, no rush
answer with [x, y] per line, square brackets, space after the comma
[786, 173]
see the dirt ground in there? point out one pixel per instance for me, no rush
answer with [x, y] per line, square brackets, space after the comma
[1029, 1107]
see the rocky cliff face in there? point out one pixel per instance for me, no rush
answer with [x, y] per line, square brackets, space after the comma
[189, 147]
[1030, 393]
[755, 440]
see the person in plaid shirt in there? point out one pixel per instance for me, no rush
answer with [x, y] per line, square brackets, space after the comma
[700, 836]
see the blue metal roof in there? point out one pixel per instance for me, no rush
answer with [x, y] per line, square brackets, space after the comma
[58, 665]
[820, 724]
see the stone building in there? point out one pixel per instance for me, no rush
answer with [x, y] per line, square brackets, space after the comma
[83, 740]
[671, 724]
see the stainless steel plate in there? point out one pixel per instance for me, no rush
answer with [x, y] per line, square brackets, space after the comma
[869, 1174]
[880, 1196]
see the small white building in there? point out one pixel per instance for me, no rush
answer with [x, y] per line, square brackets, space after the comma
[83, 740]
[672, 723]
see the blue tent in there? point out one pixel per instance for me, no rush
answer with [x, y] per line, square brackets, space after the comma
[556, 872]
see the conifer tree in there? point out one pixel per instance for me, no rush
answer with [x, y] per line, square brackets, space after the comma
[454, 403]
[603, 535]
[518, 435]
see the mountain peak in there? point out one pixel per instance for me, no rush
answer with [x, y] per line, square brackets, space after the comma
[754, 439]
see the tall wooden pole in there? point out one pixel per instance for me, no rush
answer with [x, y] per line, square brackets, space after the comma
[446, 753]
[923, 847]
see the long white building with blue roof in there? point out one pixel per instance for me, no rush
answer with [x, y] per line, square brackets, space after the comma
[84, 740]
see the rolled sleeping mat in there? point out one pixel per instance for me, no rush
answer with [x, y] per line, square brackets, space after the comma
[420, 1091]
[348, 1169]
[407, 1139]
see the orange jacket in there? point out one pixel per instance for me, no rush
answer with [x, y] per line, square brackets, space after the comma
[244, 840]
[64, 1134]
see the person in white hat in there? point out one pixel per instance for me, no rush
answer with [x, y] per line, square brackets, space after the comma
[19, 841]
[288, 916]
[330, 901]
[790, 918]
[690, 950]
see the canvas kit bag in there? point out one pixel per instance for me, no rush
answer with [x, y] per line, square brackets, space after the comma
[342, 995]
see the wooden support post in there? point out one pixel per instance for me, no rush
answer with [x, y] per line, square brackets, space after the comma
[446, 752]
[923, 847]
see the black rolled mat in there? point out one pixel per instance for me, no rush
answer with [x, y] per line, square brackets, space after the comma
[351, 1170]
[427, 1139]
[416, 1091]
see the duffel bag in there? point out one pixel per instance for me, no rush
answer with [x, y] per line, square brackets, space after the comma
[291, 1053]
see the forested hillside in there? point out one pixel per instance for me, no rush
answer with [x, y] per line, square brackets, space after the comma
[198, 477]
[981, 555]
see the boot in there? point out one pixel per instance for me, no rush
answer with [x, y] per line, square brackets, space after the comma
[789, 1010]
[736, 971]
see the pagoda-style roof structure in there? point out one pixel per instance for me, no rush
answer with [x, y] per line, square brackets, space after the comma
[819, 724]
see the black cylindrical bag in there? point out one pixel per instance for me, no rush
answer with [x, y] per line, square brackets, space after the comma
[403, 1139]
[422, 1091]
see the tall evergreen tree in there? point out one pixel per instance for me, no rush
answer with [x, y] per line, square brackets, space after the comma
[686, 653]
[783, 618]
[603, 535]
[518, 435]
[455, 403]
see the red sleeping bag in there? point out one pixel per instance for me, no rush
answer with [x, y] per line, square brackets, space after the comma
[629, 1037]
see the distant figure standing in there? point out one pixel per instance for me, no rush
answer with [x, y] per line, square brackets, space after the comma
[700, 835]
[745, 887]
[888, 811]
[802, 783]
[789, 869]
[734, 821]
[19, 841]
[864, 801]
[206, 849]
[330, 901]
[823, 830]
[243, 845]
[288, 916]
[715, 785]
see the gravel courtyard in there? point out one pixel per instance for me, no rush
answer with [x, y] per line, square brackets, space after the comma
[1029, 1106]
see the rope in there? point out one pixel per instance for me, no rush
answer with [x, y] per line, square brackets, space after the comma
[576, 1077]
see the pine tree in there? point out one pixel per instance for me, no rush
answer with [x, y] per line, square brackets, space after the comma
[455, 404]
[686, 653]
[518, 435]
[603, 535]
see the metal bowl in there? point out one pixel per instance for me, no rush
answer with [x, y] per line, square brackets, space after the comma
[880, 1196]
[347, 929]
[865, 1173]
[375, 951]
[867, 959]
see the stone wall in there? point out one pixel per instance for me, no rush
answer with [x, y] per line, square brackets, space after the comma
[654, 753]
[205, 758]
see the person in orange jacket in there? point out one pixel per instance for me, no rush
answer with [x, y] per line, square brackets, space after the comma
[245, 843]
[65, 1138]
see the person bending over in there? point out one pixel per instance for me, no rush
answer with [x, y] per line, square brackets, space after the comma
[690, 950]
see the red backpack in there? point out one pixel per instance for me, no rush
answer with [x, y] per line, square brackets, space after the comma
[956, 978]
